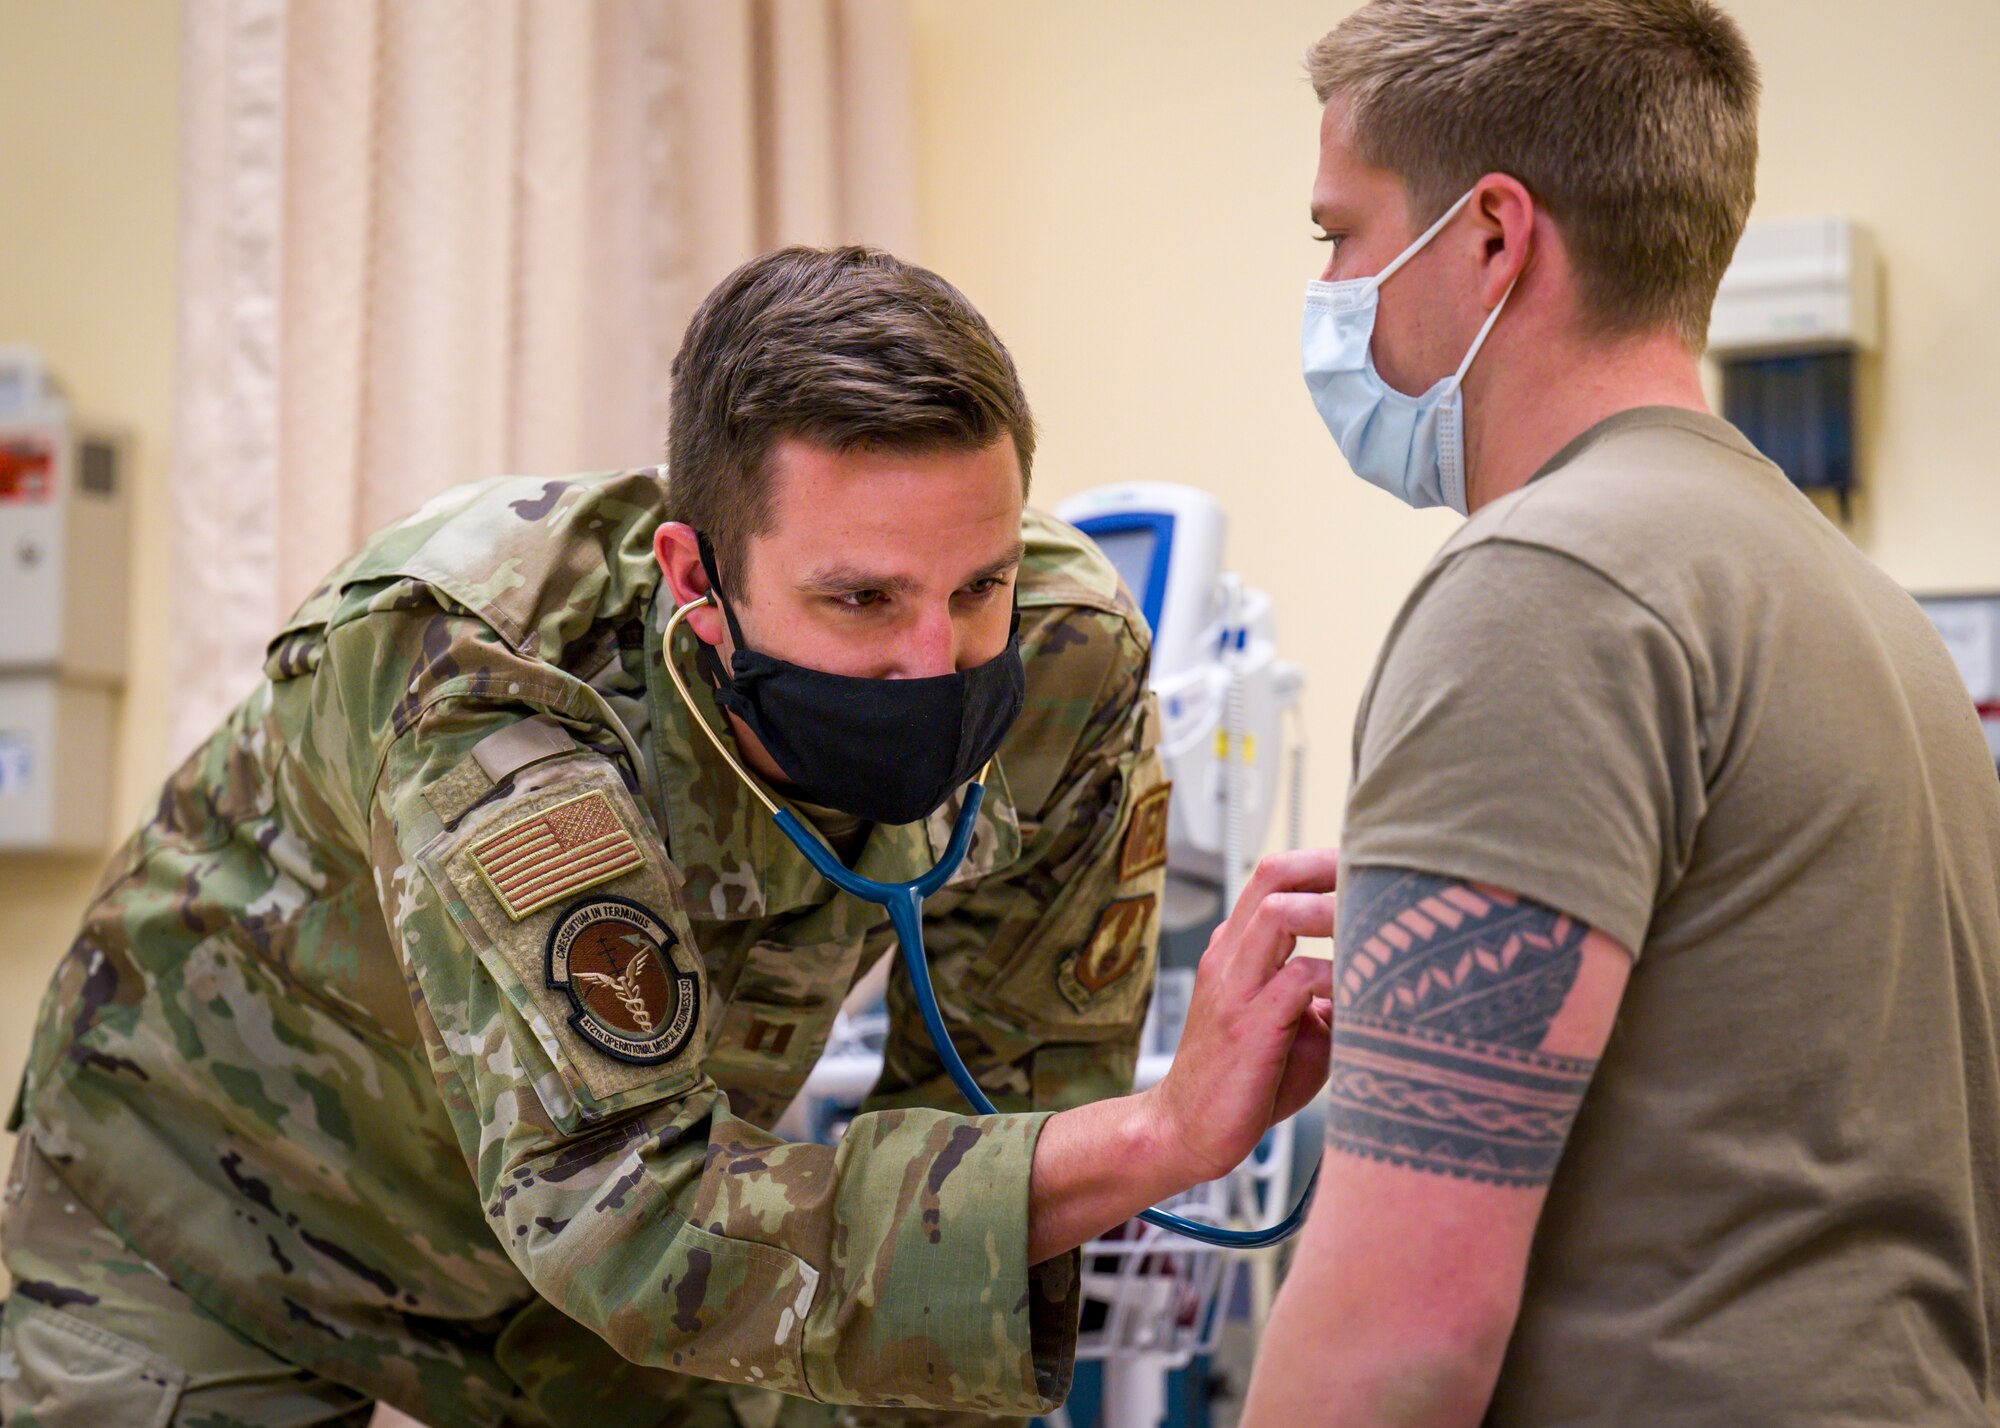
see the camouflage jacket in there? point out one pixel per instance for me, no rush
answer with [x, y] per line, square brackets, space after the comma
[430, 1030]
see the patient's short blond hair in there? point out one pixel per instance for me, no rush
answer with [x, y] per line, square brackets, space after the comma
[1633, 122]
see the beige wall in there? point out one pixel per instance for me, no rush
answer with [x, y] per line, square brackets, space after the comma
[1890, 115]
[1122, 185]
[87, 173]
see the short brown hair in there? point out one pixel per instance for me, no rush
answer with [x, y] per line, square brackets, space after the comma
[1633, 121]
[846, 348]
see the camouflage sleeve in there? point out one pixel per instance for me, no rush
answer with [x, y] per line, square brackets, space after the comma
[563, 1010]
[1044, 970]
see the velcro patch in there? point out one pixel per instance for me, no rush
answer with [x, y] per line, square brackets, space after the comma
[1146, 835]
[1113, 950]
[561, 850]
[632, 997]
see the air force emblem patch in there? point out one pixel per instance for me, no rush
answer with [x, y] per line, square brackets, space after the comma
[632, 996]
[1114, 949]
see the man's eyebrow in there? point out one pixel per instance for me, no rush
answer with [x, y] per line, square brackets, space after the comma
[844, 579]
[1004, 564]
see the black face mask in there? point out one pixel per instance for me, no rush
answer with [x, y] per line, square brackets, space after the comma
[884, 750]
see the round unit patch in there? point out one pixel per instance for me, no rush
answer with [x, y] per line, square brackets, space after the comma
[616, 960]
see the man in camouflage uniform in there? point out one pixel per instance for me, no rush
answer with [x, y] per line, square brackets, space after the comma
[424, 1044]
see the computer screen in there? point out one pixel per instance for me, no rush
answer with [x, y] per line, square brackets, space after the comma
[1131, 554]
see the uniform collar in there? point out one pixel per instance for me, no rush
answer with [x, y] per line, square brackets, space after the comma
[735, 862]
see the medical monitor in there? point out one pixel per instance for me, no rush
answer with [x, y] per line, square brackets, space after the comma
[1165, 541]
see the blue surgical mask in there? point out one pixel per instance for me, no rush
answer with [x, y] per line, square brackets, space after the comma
[1412, 447]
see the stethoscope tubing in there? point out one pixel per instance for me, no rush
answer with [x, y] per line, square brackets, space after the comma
[904, 903]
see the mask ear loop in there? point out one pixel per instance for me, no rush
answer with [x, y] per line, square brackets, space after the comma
[715, 588]
[673, 672]
[1423, 239]
[1458, 377]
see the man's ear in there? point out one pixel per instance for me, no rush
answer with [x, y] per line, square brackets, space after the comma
[1505, 213]
[678, 551]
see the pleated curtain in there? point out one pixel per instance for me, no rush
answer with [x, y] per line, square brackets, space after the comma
[425, 241]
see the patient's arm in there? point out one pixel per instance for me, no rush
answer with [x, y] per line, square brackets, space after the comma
[1467, 1024]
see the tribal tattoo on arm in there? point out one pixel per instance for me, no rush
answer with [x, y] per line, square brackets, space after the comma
[1444, 994]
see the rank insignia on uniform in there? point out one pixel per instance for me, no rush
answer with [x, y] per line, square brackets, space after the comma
[1146, 835]
[1113, 950]
[544, 858]
[633, 999]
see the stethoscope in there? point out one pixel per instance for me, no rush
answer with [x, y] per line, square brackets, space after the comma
[904, 903]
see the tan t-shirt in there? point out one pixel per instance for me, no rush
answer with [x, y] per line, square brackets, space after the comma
[1656, 690]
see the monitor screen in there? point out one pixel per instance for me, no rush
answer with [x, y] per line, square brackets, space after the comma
[1131, 553]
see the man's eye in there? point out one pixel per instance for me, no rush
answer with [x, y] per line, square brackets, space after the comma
[1333, 238]
[986, 586]
[859, 599]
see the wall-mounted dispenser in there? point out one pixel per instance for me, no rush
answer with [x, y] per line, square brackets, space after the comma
[1799, 305]
[63, 555]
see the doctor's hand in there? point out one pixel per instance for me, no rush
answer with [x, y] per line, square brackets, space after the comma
[1256, 1048]
[1259, 1028]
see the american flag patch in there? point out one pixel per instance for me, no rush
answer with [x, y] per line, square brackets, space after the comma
[575, 845]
